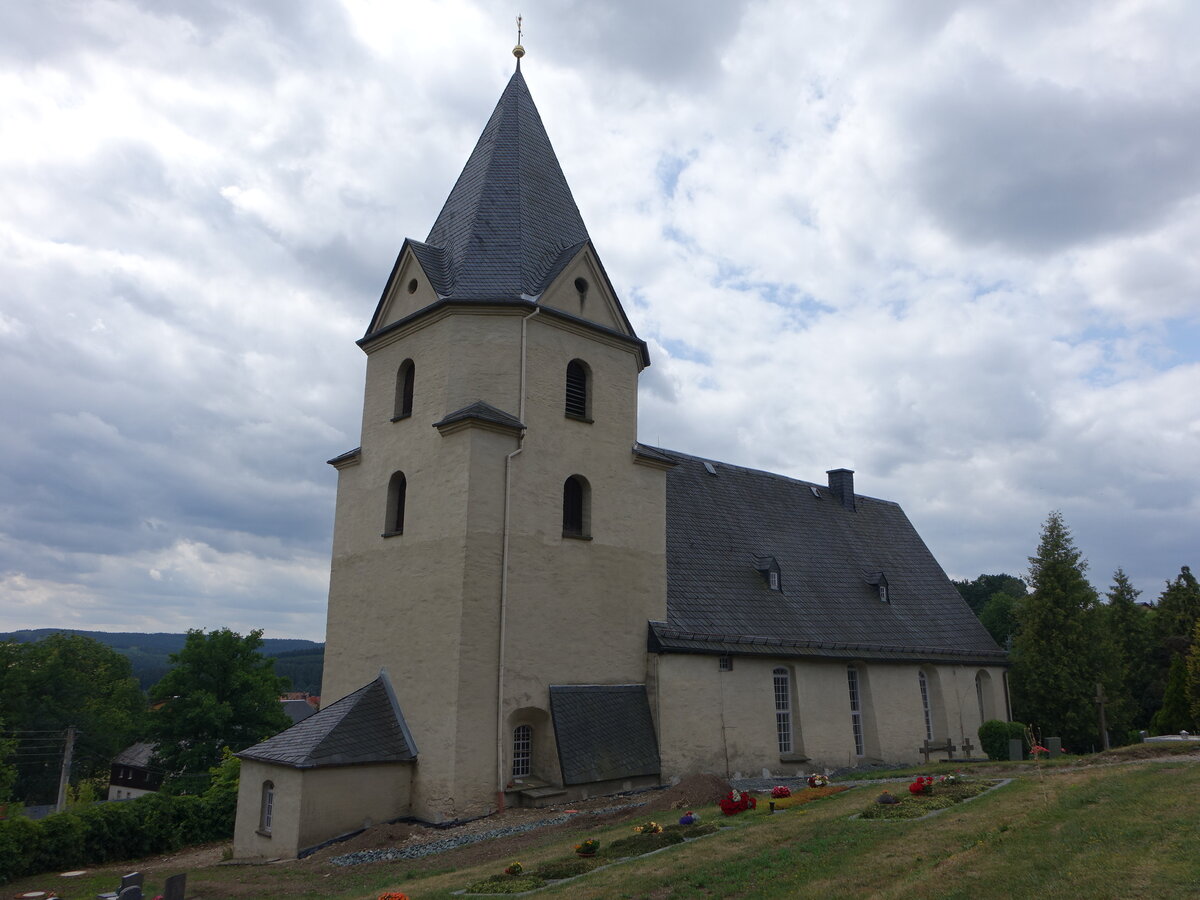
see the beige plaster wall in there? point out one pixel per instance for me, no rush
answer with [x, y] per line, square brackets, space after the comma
[314, 805]
[724, 722]
[426, 604]
[284, 839]
[596, 305]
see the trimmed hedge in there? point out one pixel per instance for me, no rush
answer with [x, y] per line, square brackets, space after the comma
[994, 736]
[108, 832]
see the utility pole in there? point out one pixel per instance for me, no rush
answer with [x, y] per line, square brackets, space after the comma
[65, 775]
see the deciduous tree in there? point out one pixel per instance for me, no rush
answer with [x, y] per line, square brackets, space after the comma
[221, 693]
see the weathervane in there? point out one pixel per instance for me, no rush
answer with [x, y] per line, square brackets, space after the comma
[518, 51]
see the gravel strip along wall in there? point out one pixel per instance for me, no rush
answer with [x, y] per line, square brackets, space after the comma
[453, 843]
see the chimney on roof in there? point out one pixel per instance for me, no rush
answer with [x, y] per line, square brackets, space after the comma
[841, 484]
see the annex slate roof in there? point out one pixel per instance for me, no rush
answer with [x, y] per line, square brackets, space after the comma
[830, 560]
[366, 726]
[603, 732]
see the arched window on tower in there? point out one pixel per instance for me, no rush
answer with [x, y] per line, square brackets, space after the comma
[522, 753]
[397, 488]
[404, 390]
[579, 391]
[577, 503]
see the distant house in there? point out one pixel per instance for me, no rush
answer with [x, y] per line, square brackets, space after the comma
[131, 774]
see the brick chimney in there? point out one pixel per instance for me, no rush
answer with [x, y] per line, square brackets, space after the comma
[841, 485]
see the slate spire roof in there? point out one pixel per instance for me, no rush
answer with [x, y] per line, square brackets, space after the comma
[510, 222]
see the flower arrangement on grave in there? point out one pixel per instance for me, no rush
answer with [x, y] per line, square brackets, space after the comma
[648, 828]
[886, 798]
[780, 791]
[816, 780]
[737, 801]
[393, 895]
[588, 847]
[922, 785]
[949, 779]
[1037, 750]
[514, 868]
[689, 818]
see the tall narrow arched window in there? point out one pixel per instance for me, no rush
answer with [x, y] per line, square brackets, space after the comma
[576, 507]
[924, 684]
[522, 753]
[266, 810]
[579, 393]
[404, 390]
[856, 723]
[983, 695]
[397, 488]
[783, 709]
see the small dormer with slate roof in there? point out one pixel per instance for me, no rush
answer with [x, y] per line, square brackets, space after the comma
[768, 568]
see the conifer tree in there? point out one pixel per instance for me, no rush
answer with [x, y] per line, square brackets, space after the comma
[1175, 715]
[1178, 611]
[1061, 651]
[1128, 625]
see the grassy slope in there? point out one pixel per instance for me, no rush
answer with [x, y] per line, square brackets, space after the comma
[1120, 831]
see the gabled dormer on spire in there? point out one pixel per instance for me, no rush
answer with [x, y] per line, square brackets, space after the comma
[508, 232]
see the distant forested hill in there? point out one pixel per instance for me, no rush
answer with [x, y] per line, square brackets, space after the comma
[300, 660]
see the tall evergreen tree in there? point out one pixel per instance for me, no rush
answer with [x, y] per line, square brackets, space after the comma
[1128, 624]
[1061, 651]
[1178, 611]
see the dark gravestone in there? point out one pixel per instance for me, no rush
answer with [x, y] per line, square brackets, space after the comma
[1016, 749]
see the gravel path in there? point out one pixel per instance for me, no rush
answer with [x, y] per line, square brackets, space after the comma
[453, 843]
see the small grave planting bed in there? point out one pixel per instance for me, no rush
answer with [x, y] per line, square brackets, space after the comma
[807, 795]
[909, 804]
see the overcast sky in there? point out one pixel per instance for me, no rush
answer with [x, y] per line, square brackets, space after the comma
[952, 246]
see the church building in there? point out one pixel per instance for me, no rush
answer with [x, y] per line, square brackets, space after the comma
[528, 606]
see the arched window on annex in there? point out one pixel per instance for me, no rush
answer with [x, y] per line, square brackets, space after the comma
[522, 751]
[405, 376]
[397, 489]
[856, 710]
[923, 683]
[579, 391]
[577, 508]
[266, 809]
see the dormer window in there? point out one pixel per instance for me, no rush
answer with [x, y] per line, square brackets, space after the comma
[879, 581]
[768, 568]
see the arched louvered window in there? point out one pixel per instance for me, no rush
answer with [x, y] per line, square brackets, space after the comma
[576, 507]
[397, 488]
[522, 754]
[579, 383]
[404, 390]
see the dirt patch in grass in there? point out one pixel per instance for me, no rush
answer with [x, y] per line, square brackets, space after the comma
[691, 792]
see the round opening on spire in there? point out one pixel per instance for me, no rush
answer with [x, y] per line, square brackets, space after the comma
[412, 286]
[581, 285]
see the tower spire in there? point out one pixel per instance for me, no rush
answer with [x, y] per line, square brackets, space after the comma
[518, 51]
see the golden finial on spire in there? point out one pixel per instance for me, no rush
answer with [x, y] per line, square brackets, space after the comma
[518, 51]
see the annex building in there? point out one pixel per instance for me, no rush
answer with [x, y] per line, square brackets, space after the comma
[528, 605]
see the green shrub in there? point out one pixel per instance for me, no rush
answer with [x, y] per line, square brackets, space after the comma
[643, 843]
[566, 868]
[108, 832]
[506, 884]
[994, 736]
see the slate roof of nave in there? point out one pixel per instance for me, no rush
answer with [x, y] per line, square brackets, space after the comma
[718, 601]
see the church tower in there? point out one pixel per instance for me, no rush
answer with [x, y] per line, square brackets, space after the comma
[499, 541]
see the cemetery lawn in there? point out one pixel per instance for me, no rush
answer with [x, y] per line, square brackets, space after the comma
[1124, 830]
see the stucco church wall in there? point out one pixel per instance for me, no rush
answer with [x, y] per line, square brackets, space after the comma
[724, 722]
[314, 805]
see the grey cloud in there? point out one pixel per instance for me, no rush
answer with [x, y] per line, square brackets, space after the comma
[1038, 168]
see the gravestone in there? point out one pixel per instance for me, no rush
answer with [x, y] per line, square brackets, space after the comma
[1054, 745]
[1016, 749]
